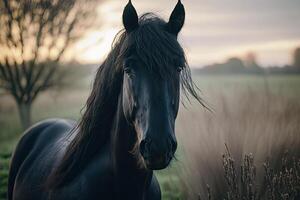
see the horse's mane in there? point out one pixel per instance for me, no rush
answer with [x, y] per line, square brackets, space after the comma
[156, 48]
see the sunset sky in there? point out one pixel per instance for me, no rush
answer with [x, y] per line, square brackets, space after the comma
[214, 29]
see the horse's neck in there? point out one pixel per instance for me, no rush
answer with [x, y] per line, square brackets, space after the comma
[126, 165]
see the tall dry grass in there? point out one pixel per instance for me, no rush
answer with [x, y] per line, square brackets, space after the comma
[248, 121]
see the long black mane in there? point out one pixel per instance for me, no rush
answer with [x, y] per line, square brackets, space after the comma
[156, 48]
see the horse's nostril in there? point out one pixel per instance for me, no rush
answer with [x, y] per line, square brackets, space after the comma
[143, 147]
[174, 145]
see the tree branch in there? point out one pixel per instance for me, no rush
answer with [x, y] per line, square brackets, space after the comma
[34, 34]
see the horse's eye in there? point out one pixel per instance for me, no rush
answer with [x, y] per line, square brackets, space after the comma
[127, 70]
[179, 69]
[130, 72]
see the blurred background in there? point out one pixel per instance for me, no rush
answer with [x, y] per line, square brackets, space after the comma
[245, 59]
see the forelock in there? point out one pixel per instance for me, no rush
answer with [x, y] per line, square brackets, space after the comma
[156, 48]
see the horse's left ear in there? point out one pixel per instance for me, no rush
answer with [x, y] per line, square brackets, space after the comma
[177, 18]
[130, 18]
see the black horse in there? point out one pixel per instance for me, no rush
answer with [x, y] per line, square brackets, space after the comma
[127, 129]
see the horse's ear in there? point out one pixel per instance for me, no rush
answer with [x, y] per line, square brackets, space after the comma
[177, 18]
[130, 17]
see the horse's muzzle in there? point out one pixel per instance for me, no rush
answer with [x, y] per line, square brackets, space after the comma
[157, 155]
[158, 162]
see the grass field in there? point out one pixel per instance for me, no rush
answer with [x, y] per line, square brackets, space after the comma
[251, 114]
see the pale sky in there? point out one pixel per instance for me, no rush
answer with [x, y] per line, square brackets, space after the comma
[214, 29]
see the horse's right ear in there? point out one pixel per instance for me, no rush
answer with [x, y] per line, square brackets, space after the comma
[177, 18]
[130, 18]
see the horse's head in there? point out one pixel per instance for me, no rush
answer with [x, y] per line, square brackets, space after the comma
[153, 60]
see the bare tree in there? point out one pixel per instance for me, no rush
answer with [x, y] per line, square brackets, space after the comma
[34, 35]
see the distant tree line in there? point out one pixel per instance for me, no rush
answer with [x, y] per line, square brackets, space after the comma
[249, 65]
